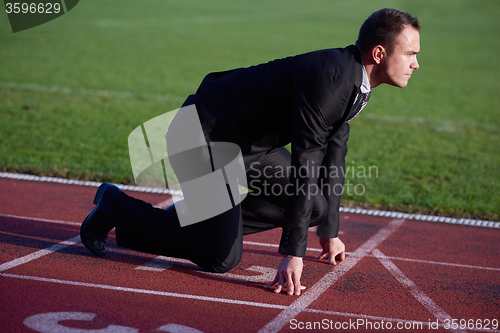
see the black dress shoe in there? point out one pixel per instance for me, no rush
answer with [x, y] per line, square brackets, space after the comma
[96, 226]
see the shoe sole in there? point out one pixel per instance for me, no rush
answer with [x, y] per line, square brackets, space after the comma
[97, 199]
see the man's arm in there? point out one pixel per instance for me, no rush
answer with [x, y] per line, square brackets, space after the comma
[319, 110]
[332, 184]
[332, 181]
[320, 104]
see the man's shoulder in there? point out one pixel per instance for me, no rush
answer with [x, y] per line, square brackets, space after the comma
[348, 51]
[334, 56]
[337, 61]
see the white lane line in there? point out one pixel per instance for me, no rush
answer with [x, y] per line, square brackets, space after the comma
[36, 219]
[40, 220]
[275, 246]
[330, 278]
[158, 264]
[145, 291]
[162, 263]
[420, 296]
[443, 263]
[39, 254]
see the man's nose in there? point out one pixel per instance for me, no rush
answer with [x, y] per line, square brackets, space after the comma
[415, 64]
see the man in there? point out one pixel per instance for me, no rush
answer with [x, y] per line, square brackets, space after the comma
[306, 100]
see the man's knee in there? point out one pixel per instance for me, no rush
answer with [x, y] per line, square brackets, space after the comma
[223, 268]
[229, 263]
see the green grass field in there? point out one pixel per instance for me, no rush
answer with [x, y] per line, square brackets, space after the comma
[72, 90]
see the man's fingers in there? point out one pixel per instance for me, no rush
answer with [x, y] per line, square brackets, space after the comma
[288, 276]
[289, 284]
[322, 255]
[270, 285]
[278, 288]
[273, 284]
[281, 282]
[341, 256]
[333, 257]
[334, 248]
[297, 287]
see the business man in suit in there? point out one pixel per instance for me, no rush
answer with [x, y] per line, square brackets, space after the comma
[306, 100]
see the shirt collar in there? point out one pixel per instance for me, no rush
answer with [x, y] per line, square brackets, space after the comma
[365, 83]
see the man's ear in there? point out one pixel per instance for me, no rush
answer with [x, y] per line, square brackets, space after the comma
[378, 54]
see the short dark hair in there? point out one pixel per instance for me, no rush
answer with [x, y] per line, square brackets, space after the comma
[382, 28]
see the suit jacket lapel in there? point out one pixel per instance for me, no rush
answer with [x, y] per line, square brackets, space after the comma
[358, 68]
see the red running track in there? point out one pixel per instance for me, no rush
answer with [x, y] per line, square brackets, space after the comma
[399, 275]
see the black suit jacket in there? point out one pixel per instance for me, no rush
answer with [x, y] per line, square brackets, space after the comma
[304, 99]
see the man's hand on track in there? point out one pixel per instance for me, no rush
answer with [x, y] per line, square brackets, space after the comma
[333, 249]
[288, 276]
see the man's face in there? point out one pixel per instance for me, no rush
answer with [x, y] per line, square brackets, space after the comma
[398, 67]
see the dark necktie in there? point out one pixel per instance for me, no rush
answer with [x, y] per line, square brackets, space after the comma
[361, 102]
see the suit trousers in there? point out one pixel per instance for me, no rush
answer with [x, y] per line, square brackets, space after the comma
[216, 244]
